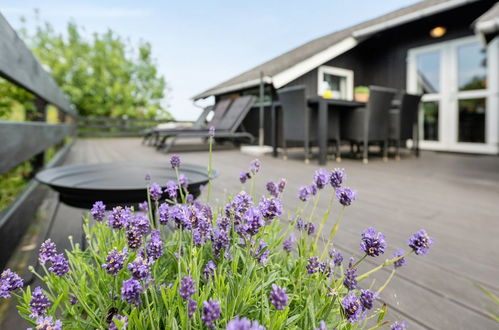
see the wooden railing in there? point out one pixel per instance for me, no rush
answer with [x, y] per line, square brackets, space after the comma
[28, 141]
[115, 126]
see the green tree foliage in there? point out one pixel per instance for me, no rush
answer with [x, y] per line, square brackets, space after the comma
[103, 74]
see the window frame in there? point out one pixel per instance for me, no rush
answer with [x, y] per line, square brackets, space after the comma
[348, 74]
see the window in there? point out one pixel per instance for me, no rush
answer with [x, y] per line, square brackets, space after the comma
[335, 83]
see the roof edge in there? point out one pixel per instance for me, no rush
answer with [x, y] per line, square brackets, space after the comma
[243, 85]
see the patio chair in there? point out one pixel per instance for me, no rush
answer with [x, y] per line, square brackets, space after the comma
[403, 123]
[369, 124]
[226, 128]
[218, 109]
[299, 123]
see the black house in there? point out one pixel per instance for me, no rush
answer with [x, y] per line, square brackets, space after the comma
[447, 50]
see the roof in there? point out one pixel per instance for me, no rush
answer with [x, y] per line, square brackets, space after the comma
[488, 24]
[296, 62]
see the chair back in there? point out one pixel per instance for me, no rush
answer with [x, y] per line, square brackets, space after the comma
[219, 111]
[201, 120]
[294, 112]
[236, 113]
[378, 107]
[409, 107]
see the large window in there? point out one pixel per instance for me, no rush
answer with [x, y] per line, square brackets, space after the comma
[335, 83]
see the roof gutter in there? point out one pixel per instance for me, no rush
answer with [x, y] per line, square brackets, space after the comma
[422, 13]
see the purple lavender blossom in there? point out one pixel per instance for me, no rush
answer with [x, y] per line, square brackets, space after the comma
[211, 131]
[121, 319]
[300, 224]
[310, 228]
[175, 161]
[322, 326]
[278, 297]
[270, 208]
[325, 268]
[155, 191]
[187, 289]
[337, 177]
[155, 246]
[144, 206]
[115, 261]
[312, 190]
[47, 251]
[373, 243]
[287, 245]
[281, 185]
[321, 178]
[98, 211]
[73, 300]
[39, 303]
[255, 166]
[313, 265]
[243, 324]
[163, 213]
[401, 262]
[353, 307]
[209, 270]
[131, 290]
[224, 223]
[119, 217]
[178, 214]
[272, 188]
[220, 241]
[171, 189]
[211, 312]
[350, 279]
[134, 238]
[197, 237]
[420, 242]
[345, 196]
[141, 223]
[140, 269]
[367, 298]
[253, 221]
[244, 176]
[336, 256]
[192, 306]
[262, 252]
[48, 323]
[60, 265]
[183, 180]
[399, 325]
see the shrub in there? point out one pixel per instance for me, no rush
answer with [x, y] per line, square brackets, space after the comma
[178, 263]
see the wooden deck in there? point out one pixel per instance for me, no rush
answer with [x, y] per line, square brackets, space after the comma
[454, 197]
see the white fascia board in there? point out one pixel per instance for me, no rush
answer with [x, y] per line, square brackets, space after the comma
[411, 17]
[312, 62]
[243, 85]
[489, 26]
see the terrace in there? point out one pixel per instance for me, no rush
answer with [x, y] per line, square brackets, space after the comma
[453, 196]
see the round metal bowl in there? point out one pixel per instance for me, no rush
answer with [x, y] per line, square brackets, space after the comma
[116, 183]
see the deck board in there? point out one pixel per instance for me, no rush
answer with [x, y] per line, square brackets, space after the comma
[454, 197]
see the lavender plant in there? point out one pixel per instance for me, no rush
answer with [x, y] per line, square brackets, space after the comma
[177, 263]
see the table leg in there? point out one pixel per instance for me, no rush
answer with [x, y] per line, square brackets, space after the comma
[323, 123]
[336, 116]
[273, 131]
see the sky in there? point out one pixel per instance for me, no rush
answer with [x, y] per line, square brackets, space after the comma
[198, 44]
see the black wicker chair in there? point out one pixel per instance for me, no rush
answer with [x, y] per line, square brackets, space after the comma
[403, 124]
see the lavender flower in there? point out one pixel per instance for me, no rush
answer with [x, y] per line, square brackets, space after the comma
[270, 208]
[350, 279]
[184, 182]
[98, 211]
[171, 189]
[325, 268]
[155, 191]
[220, 241]
[313, 265]
[253, 221]
[115, 261]
[187, 289]
[244, 176]
[367, 298]
[278, 297]
[141, 223]
[48, 323]
[73, 300]
[262, 252]
[192, 305]
[312, 190]
[163, 213]
[281, 185]
[121, 320]
[321, 178]
[47, 251]
[255, 166]
[211, 312]
[211, 131]
[131, 290]
[336, 256]
[346, 196]
[134, 238]
[310, 228]
[140, 269]
[300, 224]
[401, 262]
[144, 206]
[224, 223]
[352, 306]
[60, 265]
[39, 303]
[119, 217]
[177, 213]
[155, 246]
[243, 324]
[337, 177]
[287, 245]
[272, 188]
[175, 161]
[373, 243]
[322, 326]
[420, 242]
[209, 270]
[399, 325]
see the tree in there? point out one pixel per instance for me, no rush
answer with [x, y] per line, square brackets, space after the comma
[104, 75]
